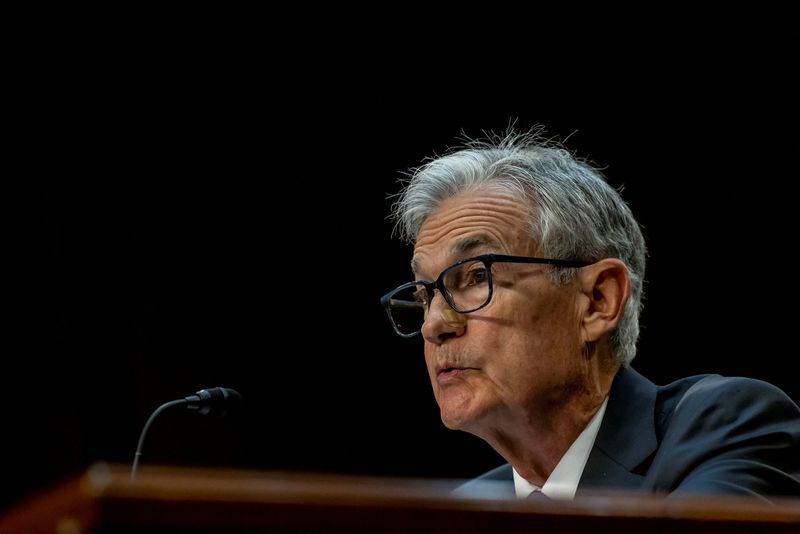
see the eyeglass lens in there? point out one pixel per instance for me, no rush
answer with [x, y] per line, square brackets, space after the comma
[466, 284]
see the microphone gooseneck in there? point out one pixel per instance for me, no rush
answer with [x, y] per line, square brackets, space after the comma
[149, 422]
[214, 401]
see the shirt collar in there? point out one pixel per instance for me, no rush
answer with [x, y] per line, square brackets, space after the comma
[563, 481]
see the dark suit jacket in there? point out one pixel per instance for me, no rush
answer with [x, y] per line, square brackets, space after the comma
[703, 434]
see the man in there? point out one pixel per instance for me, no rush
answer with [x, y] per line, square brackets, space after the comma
[528, 285]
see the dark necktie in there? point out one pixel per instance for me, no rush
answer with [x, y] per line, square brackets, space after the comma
[538, 495]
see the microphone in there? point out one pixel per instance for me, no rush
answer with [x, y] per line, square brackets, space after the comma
[215, 401]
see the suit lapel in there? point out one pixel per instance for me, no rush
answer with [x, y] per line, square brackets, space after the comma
[627, 435]
[496, 484]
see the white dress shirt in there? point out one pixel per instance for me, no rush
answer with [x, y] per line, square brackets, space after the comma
[563, 481]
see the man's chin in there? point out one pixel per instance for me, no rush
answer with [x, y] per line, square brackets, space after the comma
[457, 417]
[451, 423]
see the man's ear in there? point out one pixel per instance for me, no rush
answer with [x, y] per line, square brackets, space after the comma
[607, 286]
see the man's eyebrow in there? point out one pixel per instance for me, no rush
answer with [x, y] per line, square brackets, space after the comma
[467, 245]
[463, 247]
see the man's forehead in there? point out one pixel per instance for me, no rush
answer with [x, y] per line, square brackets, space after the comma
[459, 249]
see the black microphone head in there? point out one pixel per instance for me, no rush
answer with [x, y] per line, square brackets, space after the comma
[213, 401]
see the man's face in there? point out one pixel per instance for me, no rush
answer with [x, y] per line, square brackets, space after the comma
[521, 354]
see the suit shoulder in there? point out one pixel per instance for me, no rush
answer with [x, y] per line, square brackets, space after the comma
[720, 400]
[713, 388]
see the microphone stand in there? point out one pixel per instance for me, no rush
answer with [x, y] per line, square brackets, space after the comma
[149, 422]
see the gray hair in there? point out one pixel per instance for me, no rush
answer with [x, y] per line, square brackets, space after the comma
[574, 213]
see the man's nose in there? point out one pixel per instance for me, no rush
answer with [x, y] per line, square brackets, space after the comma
[442, 322]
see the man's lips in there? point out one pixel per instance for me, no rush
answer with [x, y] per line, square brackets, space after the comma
[451, 371]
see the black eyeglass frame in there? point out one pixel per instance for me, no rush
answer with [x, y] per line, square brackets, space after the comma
[488, 260]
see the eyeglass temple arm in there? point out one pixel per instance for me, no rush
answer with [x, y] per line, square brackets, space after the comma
[404, 304]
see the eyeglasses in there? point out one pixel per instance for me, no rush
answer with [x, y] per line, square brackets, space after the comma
[466, 287]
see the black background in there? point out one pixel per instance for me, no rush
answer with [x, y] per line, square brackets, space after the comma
[205, 203]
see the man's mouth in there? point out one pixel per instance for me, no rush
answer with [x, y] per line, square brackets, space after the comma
[450, 372]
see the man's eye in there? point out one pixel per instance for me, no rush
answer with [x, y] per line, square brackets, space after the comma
[476, 276]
